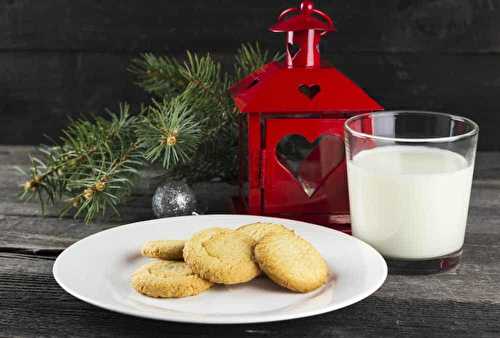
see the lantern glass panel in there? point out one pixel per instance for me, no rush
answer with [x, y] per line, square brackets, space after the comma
[304, 167]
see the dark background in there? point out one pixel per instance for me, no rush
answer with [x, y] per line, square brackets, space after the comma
[59, 58]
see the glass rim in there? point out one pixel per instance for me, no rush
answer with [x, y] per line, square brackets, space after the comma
[471, 133]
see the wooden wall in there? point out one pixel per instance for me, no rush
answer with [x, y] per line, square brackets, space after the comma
[59, 58]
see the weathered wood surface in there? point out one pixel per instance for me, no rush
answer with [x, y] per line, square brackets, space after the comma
[463, 302]
[37, 98]
[65, 57]
[33, 304]
[466, 26]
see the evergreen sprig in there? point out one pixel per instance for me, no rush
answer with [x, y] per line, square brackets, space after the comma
[189, 127]
[251, 57]
[169, 132]
[158, 75]
[91, 169]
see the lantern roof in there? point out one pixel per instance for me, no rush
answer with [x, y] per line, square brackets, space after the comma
[276, 88]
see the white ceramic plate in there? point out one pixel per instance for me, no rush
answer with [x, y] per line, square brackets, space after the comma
[97, 270]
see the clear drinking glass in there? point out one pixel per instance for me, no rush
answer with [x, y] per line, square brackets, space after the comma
[410, 177]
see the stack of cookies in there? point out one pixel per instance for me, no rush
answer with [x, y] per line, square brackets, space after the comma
[227, 256]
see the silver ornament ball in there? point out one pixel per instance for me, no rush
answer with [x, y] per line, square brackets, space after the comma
[173, 199]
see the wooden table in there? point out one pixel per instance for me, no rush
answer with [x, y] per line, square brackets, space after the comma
[463, 302]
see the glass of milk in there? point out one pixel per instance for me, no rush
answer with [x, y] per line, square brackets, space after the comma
[410, 176]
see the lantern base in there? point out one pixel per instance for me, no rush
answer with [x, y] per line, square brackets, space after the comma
[337, 222]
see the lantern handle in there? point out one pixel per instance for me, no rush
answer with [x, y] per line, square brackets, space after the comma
[307, 8]
[286, 12]
[326, 17]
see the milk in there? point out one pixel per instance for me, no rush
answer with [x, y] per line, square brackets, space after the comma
[410, 202]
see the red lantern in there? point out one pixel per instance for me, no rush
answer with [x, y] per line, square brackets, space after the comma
[292, 156]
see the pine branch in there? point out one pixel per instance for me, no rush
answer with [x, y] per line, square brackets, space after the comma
[107, 184]
[190, 126]
[207, 97]
[204, 88]
[203, 75]
[92, 168]
[251, 57]
[166, 77]
[158, 75]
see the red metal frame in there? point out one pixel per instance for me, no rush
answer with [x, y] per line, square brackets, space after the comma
[254, 164]
[300, 96]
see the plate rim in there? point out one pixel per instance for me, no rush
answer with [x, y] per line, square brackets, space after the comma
[226, 319]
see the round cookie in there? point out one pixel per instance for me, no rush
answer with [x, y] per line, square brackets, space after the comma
[292, 262]
[258, 230]
[163, 249]
[168, 279]
[222, 256]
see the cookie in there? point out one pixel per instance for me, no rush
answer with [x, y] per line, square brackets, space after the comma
[292, 262]
[258, 230]
[168, 279]
[222, 256]
[163, 249]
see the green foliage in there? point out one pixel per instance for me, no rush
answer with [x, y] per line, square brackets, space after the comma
[158, 75]
[251, 57]
[169, 132]
[189, 127]
[91, 168]
[203, 85]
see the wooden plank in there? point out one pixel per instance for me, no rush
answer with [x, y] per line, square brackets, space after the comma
[457, 302]
[136, 208]
[212, 197]
[475, 280]
[131, 26]
[33, 94]
[486, 170]
[431, 82]
[54, 234]
[13, 155]
[54, 68]
[41, 233]
[484, 214]
[40, 91]
[467, 26]
[484, 201]
[22, 229]
[34, 233]
[33, 304]
[443, 26]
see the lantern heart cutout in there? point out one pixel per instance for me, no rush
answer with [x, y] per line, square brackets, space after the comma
[309, 91]
[310, 163]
